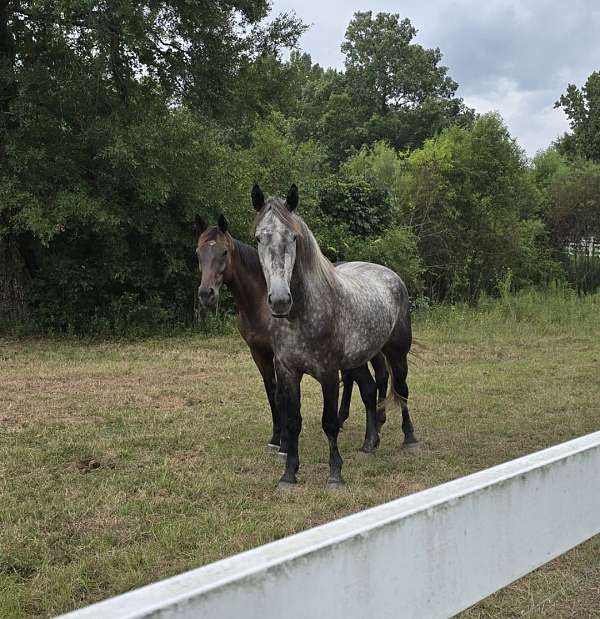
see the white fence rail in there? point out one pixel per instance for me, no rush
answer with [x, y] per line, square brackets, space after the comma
[431, 554]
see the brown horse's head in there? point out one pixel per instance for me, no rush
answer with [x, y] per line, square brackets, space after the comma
[214, 251]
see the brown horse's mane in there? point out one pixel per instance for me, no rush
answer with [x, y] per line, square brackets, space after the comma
[308, 255]
[248, 256]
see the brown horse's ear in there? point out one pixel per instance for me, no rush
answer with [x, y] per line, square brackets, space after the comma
[199, 225]
[258, 197]
[292, 198]
[223, 224]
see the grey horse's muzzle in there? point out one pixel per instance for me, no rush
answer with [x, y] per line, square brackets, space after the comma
[280, 300]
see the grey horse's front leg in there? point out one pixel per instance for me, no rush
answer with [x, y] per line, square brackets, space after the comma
[288, 390]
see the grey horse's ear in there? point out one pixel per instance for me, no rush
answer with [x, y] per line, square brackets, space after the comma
[292, 198]
[223, 224]
[199, 225]
[258, 197]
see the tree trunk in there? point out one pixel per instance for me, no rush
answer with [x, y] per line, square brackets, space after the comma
[15, 281]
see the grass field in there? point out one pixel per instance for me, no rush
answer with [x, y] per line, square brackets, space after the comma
[122, 463]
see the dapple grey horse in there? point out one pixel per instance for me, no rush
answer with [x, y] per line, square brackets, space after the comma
[327, 319]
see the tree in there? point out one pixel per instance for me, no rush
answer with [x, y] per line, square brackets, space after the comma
[582, 107]
[468, 196]
[386, 71]
[363, 208]
[392, 89]
[111, 115]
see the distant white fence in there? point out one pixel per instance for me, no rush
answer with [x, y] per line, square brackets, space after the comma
[431, 554]
[585, 247]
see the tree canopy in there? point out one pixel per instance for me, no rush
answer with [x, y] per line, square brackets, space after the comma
[582, 107]
[119, 121]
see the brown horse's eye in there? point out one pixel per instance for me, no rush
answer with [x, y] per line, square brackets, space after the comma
[224, 252]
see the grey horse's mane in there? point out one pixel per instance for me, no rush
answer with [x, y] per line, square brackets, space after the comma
[309, 256]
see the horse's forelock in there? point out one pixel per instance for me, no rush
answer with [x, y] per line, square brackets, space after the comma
[211, 234]
[279, 209]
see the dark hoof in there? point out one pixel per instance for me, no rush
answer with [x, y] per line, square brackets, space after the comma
[335, 483]
[341, 427]
[287, 480]
[409, 443]
[369, 446]
[368, 450]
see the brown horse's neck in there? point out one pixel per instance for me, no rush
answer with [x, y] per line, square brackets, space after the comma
[247, 282]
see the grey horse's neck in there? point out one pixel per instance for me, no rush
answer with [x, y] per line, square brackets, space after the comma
[312, 288]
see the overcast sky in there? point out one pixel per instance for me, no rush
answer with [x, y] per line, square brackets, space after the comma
[512, 56]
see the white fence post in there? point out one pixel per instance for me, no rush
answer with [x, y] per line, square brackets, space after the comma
[431, 554]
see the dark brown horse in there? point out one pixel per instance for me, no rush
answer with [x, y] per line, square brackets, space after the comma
[224, 260]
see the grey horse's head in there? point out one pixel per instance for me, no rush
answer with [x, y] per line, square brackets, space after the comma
[277, 234]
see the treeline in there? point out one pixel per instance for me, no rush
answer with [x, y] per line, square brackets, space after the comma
[120, 121]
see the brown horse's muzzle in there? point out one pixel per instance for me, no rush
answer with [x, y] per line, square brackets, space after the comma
[208, 296]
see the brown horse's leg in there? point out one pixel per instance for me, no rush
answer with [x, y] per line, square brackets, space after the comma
[330, 423]
[288, 399]
[264, 362]
[368, 393]
[381, 379]
[348, 382]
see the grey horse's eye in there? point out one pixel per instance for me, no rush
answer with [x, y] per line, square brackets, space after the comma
[257, 239]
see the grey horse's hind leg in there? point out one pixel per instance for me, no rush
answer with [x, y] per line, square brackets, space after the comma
[381, 379]
[397, 359]
[348, 383]
[368, 393]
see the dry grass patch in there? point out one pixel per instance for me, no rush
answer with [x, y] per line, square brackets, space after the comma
[122, 463]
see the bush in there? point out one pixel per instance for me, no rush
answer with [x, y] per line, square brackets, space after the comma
[362, 207]
[396, 249]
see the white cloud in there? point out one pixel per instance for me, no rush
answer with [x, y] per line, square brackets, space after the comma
[527, 115]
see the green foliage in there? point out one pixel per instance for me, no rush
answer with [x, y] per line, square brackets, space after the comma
[582, 107]
[392, 89]
[572, 213]
[112, 137]
[396, 249]
[382, 166]
[475, 209]
[120, 121]
[364, 208]
[556, 306]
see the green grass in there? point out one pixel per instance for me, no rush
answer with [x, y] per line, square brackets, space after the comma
[177, 427]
